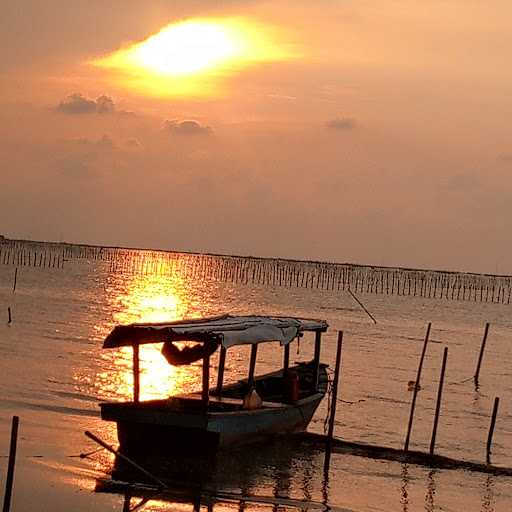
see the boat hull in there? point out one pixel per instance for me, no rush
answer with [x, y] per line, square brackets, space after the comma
[160, 426]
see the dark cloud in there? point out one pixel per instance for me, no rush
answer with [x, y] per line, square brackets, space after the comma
[186, 127]
[341, 123]
[104, 105]
[78, 104]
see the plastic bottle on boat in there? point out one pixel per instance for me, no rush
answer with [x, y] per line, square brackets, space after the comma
[252, 400]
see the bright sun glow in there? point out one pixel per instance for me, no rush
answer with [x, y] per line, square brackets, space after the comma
[186, 48]
[191, 56]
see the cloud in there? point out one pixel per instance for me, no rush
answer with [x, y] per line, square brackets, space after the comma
[80, 157]
[186, 127]
[78, 104]
[505, 157]
[341, 123]
[463, 181]
[74, 165]
[104, 142]
[133, 144]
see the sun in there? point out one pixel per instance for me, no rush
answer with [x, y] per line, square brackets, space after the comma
[191, 56]
[186, 48]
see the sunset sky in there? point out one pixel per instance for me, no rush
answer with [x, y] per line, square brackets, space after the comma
[371, 132]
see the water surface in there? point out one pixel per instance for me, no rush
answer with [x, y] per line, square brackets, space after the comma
[54, 373]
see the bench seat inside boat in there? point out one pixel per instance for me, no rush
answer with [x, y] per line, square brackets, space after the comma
[217, 403]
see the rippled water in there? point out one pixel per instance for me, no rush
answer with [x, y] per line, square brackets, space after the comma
[53, 373]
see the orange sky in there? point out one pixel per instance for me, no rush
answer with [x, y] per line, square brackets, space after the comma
[374, 132]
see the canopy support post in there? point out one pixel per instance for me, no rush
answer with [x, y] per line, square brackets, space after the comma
[286, 359]
[136, 373]
[316, 360]
[220, 375]
[252, 364]
[206, 381]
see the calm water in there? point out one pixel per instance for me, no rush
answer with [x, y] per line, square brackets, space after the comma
[53, 373]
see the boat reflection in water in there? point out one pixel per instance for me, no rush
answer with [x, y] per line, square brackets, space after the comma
[283, 473]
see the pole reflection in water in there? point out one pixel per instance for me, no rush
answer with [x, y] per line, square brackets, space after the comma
[404, 492]
[431, 492]
[488, 495]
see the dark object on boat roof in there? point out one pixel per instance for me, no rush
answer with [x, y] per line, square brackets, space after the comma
[213, 418]
[187, 355]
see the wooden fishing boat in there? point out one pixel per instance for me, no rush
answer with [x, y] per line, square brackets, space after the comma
[283, 401]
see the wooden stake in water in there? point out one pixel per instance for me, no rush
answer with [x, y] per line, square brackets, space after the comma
[491, 428]
[334, 400]
[438, 405]
[9, 321]
[10, 468]
[15, 280]
[481, 355]
[416, 389]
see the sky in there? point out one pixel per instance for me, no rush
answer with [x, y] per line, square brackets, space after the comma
[349, 131]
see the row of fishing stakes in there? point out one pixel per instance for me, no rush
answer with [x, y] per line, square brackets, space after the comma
[417, 386]
[317, 275]
[46, 258]
[435, 284]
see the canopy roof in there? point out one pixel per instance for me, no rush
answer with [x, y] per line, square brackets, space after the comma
[228, 330]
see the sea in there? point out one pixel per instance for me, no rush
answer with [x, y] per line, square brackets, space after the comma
[54, 373]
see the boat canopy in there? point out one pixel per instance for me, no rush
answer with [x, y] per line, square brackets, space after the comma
[228, 330]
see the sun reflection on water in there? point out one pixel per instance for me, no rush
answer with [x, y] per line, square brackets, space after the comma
[147, 298]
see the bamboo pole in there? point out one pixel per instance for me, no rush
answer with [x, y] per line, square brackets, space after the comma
[438, 404]
[220, 374]
[9, 481]
[117, 453]
[481, 355]
[136, 373]
[334, 401]
[15, 280]
[416, 389]
[286, 358]
[252, 365]
[491, 429]
[318, 343]
[362, 306]
[205, 394]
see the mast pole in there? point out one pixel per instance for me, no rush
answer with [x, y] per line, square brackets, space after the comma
[316, 360]
[252, 364]
[136, 373]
